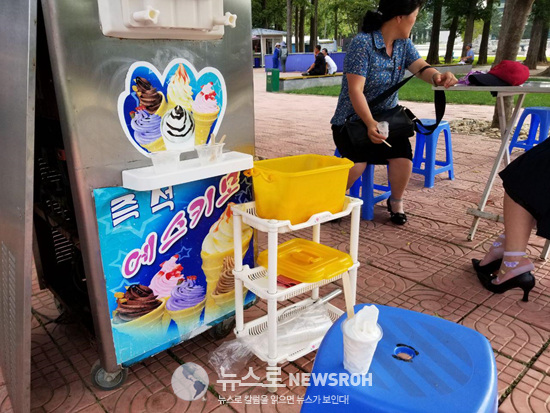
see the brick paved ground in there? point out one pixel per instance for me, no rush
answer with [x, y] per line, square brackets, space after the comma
[423, 266]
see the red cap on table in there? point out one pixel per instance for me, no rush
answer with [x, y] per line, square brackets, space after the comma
[506, 73]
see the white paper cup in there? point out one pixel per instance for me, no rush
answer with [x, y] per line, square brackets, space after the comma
[165, 161]
[358, 354]
[384, 128]
[209, 153]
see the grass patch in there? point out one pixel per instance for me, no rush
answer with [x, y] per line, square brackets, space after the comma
[419, 91]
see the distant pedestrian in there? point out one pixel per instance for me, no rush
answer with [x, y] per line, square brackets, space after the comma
[276, 54]
[284, 55]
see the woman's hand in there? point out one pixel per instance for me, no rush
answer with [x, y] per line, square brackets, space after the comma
[446, 79]
[373, 134]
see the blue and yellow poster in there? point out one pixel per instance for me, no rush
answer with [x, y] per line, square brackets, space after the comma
[168, 257]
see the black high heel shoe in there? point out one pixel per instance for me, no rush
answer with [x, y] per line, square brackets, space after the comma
[485, 272]
[525, 281]
[397, 218]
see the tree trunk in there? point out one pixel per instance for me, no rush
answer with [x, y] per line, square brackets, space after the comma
[433, 53]
[469, 29]
[336, 24]
[297, 28]
[313, 24]
[541, 58]
[451, 40]
[266, 20]
[534, 43]
[484, 46]
[289, 25]
[545, 73]
[302, 29]
[513, 24]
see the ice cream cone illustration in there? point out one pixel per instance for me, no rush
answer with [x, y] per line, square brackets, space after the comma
[140, 314]
[185, 304]
[178, 127]
[224, 293]
[205, 112]
[180, 92]
[167, 278]
[217, 245]
[147, 130]
[203, 124]
[149, 98]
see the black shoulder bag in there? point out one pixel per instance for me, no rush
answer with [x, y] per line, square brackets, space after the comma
[402, 121]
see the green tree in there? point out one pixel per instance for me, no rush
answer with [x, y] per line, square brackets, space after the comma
[269, 14]
[543, 44]
[484, 46]
[456, 10]
[289, 25]
[474, 12]
[422, 26]
[514, 19]
[433, 52]
[314, 35]
[541, 18]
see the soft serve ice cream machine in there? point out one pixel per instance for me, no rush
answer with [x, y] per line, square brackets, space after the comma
[148, 248]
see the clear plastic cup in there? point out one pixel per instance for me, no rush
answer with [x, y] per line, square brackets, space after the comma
[165, 161]
[210, 153]
[384, 128]
[358, 353]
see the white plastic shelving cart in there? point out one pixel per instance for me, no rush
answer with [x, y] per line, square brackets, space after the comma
[263, 282]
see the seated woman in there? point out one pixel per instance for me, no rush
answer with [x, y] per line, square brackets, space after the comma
[526, 202]
[376, 60]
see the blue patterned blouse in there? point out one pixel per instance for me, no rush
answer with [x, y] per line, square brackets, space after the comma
[370, 60]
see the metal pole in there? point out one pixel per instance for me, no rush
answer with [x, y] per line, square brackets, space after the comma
[505, 130]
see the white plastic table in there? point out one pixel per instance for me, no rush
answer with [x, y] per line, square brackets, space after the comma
[505, 130]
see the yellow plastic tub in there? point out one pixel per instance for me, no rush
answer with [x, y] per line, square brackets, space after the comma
[296, 187]
[306, 261]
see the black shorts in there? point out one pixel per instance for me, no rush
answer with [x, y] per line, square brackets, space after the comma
[376, 154]
[527, 181]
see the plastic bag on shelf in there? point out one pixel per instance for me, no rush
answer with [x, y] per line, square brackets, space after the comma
[298, 330]
[231, 357]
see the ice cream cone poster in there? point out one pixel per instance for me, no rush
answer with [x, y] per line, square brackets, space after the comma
[173, 110]
[168, 257]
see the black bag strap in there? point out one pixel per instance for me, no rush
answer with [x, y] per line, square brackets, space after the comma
[440, 102]
[390, 91]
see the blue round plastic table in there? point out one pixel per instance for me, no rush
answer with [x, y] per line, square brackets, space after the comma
[452, 369]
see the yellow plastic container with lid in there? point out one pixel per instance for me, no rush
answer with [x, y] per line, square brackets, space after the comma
[308, 261]
[296, 187]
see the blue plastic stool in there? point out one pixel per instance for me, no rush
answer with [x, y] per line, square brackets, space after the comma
[540, 116]
[364, 188]
[452, 369]
[428, 141]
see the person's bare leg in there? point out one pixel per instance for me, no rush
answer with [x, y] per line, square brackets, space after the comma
[495, 252]
[355, 172]
[399, 173]
[518, 224]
